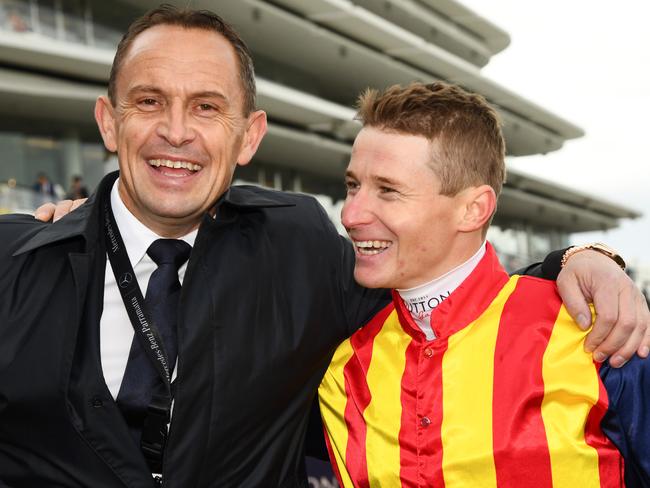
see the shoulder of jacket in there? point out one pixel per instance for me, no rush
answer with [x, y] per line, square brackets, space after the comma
[16, 229]
[289, 208]
[18, 220]
[257, 196]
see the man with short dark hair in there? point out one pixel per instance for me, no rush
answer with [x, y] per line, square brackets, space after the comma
[170, 285]
[43, 186]
[469, 377]
[77, 189]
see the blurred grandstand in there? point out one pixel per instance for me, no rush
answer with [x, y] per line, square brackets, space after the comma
[312, 58]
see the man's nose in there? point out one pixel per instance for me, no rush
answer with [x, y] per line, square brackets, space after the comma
[176, 127]
[356, 210]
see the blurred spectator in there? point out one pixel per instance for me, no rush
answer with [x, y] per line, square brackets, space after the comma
[14, 16]
[17, 22]
[44, 186]
[77, 189]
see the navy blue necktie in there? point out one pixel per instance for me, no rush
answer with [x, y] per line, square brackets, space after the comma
[163, 292]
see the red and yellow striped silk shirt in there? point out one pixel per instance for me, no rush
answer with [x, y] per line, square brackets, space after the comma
[504, 397]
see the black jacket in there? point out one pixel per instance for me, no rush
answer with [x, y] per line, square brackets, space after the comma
[267, 296]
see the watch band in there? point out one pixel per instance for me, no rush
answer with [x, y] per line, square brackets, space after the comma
[598, 247]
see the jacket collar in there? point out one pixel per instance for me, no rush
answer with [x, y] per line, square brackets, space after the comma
[82, 222]
[249, 196]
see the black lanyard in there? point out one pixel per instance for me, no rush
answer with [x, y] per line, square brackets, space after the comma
[154, 433]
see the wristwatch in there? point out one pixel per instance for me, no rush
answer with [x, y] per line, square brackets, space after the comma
[598, 247]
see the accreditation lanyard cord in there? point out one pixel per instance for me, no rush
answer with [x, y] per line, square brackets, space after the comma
[154, 433]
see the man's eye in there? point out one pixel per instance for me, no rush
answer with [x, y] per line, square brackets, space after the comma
[386, 189]
[148, 103]
[205, 107]
[351, 185]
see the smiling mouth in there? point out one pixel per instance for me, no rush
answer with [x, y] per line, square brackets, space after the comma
[164, 164]
[370, 248]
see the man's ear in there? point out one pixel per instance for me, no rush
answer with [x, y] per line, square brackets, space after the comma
[252, 137]
[105, 117]
[479, 204]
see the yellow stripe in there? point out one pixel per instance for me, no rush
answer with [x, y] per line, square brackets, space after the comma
[332, 397]
[570, 390]
[383, 415]
[468, 366]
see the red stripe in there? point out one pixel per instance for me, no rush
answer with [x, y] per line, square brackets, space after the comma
[431, 399]
[610, 461]
[408, 427]
[420, 447]
[518, 389]
[358, 395]
[330, 451]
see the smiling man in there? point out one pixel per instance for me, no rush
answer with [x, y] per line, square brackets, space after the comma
[489, 385]
[181, 121]
[97, 337]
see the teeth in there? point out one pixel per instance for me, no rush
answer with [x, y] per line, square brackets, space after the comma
[174, 164]
[370, 252]
[370, 248]
[376, 244]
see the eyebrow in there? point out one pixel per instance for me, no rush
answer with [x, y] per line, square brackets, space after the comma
[385, 180]
[377, 179]
[144, 88]
[158, 91]
[210, 94]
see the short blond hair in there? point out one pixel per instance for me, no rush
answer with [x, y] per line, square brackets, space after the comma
[469, 147]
